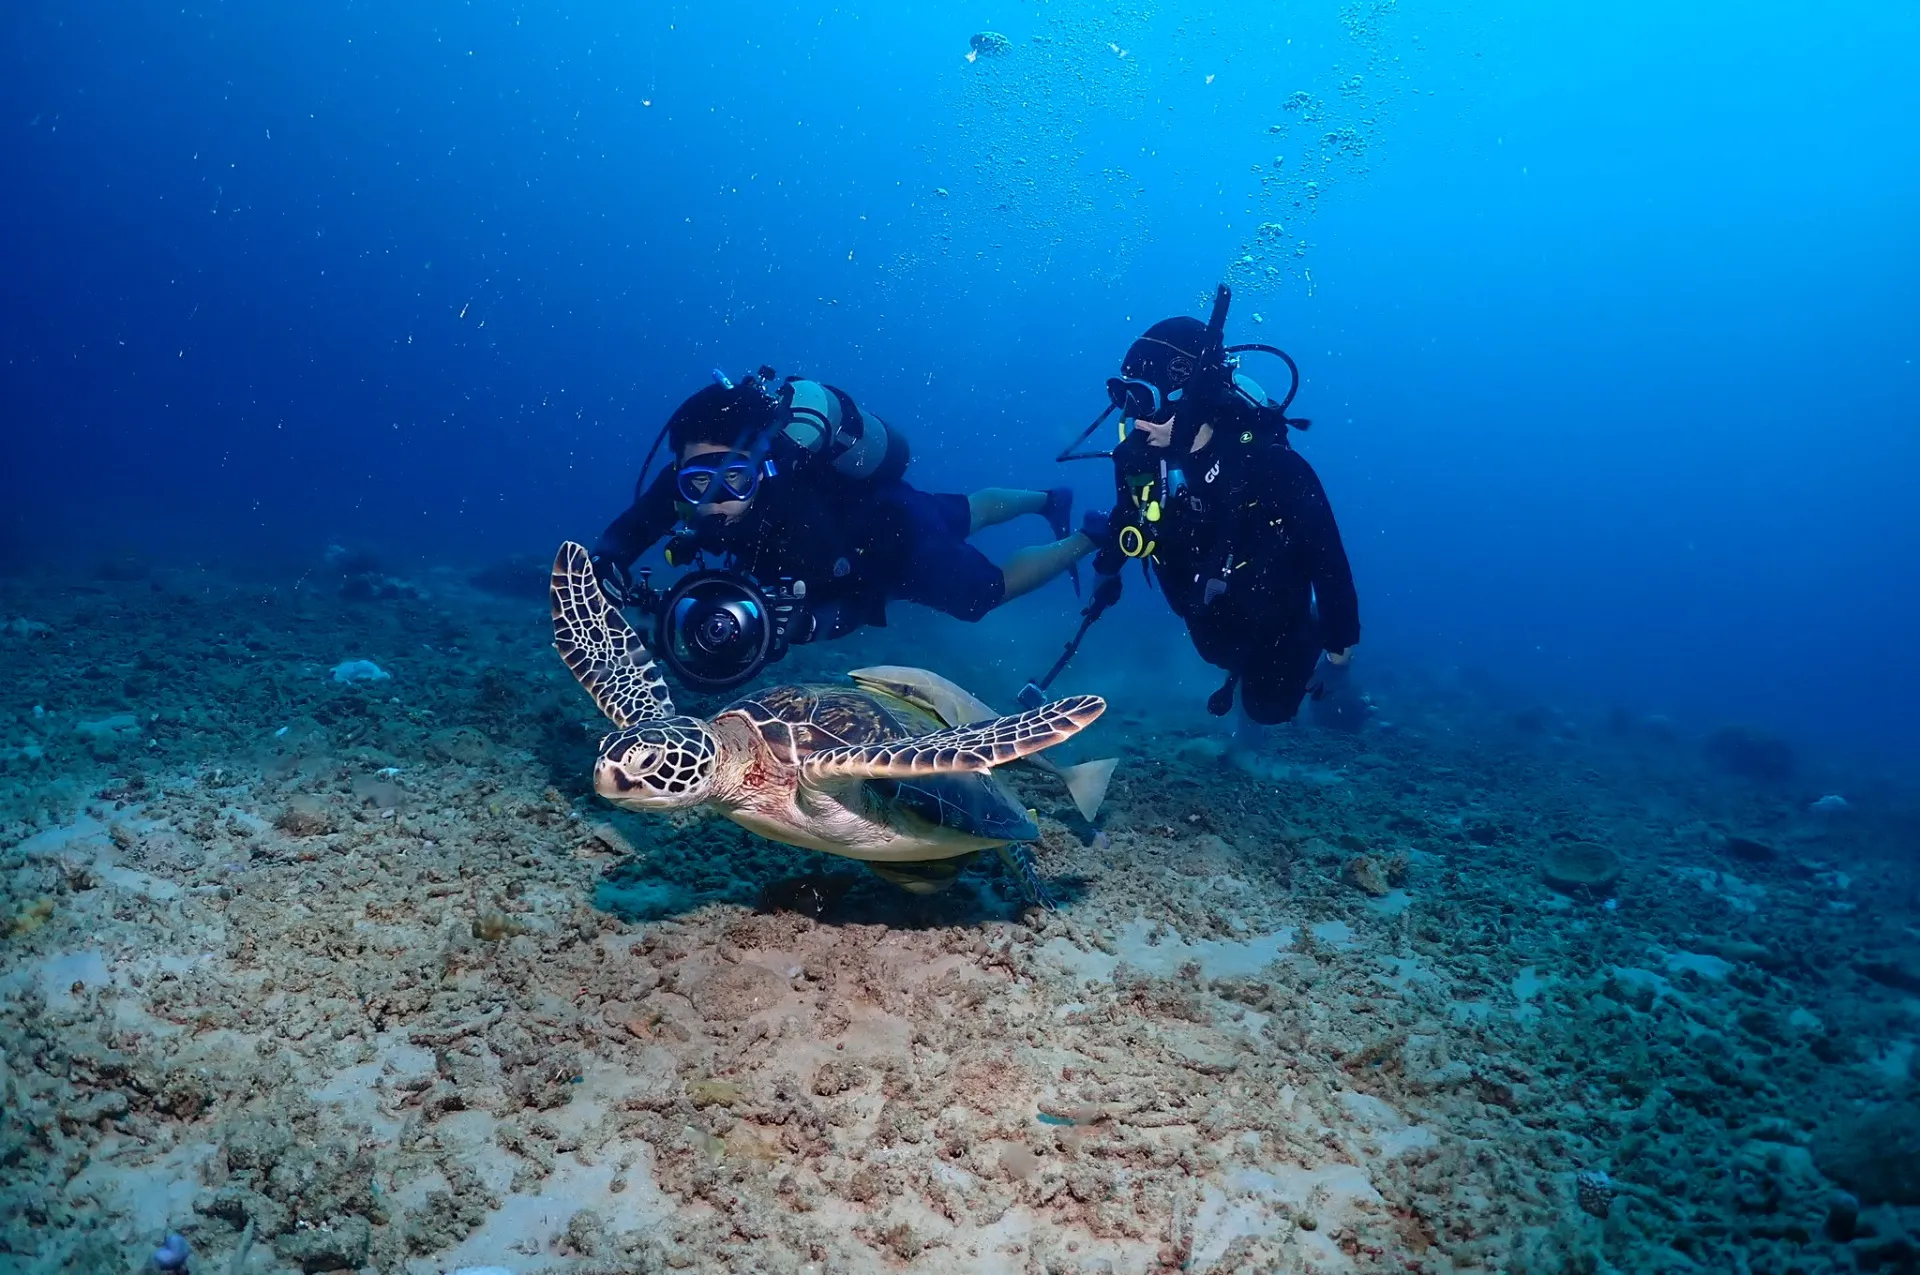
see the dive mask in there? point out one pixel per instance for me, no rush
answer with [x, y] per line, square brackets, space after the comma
[729, 476]
[1138, 399]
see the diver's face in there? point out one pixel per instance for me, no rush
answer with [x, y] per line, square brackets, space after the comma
[729, 511]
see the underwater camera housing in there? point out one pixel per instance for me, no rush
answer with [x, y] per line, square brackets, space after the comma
[716, 629]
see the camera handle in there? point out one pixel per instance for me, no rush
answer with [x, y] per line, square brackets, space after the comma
[645, 597]
[787, 600]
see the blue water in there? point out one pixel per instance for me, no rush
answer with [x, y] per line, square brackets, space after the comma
[1609, 328]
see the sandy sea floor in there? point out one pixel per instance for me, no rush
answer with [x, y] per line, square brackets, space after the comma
[332, 976]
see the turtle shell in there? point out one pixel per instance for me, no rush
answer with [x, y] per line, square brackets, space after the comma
[796, 721]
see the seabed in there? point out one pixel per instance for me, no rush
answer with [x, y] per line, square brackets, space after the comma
[359, 976]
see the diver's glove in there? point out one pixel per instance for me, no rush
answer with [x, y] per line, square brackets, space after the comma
[803, 628]
[1097, 526]
[823, 622]
[1220, 703]
[1106, 592]
[615, 581]
[1330, 680]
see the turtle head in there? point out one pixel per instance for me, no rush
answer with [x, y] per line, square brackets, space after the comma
[668, 763]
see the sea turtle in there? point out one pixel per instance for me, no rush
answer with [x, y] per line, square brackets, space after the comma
[840, 769]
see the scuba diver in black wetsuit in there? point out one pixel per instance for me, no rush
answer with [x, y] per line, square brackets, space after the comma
[802, 494]
[1227, 518]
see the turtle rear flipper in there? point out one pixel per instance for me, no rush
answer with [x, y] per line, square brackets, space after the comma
[973, 749]
[1087, 784]
[1020, 862]
[600, 648]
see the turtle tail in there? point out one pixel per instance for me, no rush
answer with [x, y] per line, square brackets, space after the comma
[1019, 860]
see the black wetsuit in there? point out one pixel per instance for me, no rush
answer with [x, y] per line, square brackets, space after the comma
[856, 543]
[1248, 554]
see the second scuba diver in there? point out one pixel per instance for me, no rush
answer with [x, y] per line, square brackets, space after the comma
[1228, 519]
[792, 483]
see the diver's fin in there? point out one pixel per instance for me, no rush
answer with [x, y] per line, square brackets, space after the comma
[1020, 862]
[973, 749]
[1087, 784]
[600, 648]
[1058, 511]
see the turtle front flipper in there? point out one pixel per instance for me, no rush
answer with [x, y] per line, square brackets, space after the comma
[954, 705]
[600, 648]
[973, 749]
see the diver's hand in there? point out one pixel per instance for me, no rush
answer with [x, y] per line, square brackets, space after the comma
[821, 622]
[1340, 657]
[615, 581]
[1106, 592]
[803, 628]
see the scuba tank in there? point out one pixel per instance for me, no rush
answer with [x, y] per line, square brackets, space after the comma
[823, 423]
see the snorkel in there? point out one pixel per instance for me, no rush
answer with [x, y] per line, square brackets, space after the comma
[1202, 392]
